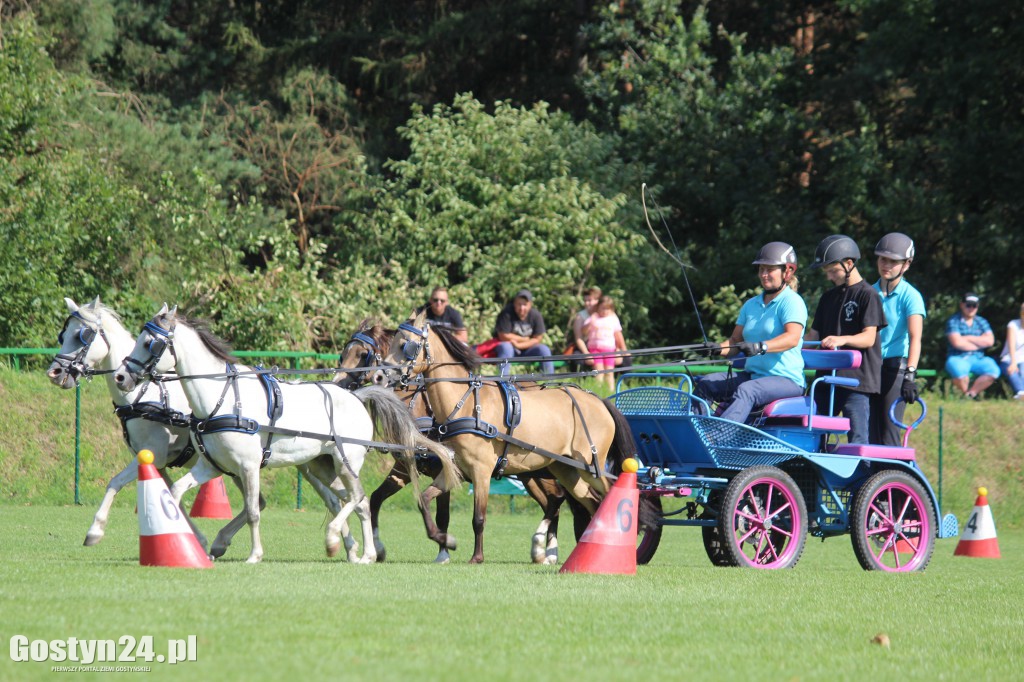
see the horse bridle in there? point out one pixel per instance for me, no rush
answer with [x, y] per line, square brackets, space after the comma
[74, 365]
[160, 339]
[411, 349]
[372, 357]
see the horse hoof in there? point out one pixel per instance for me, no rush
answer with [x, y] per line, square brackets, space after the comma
[550, 560]
[381, 555]
[537, 550]
[450, 542]
[91, 540]
[253, 560]
[332, 550]
[217, 552]
[443, 557]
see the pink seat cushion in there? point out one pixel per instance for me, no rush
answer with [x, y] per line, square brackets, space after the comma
[876, 451]
[819, 422]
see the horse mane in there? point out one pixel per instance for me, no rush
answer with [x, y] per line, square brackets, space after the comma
[95, 313]
[373, 328]
[216, 345]
[462, 353]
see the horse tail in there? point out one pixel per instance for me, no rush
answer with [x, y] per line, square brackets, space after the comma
[394, 423]
[623, 445]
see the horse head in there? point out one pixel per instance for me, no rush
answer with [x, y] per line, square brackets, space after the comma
[408, 355]
[79, 352]
[149, 358]
[365, 350]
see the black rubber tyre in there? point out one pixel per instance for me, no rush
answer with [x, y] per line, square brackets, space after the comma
[648, 534]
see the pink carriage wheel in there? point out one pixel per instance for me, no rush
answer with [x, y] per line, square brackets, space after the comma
[763, 520]
[892, 524]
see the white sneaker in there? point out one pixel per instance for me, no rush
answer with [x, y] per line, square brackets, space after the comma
[1019, 396]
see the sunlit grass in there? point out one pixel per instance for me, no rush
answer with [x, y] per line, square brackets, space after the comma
[300, 613]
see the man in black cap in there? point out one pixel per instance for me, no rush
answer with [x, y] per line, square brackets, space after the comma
[520, 329]
[969, 335]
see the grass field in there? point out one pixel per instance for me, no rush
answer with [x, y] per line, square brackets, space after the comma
[299, 613]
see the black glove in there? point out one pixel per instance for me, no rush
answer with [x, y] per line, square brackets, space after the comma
[714, 347]
[752, 348]
[909, 389]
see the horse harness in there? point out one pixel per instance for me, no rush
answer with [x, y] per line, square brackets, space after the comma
[275, 407]
[454, 426]
[159, 412]
[458, 426]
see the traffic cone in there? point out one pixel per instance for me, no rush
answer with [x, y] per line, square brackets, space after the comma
[608, 545]
[979, 538]
[212, 501]
[165, 538]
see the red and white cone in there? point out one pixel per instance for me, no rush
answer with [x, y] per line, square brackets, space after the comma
[165, 538]
[212, 501]
[609, 543]
[979, 537]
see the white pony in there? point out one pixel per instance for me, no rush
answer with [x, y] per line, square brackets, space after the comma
[243, 424]
[93, 341]
[154, 415]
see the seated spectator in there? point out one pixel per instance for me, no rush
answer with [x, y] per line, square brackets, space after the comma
[520, 331]
[603, 333]
[590, 299]
[1012, 358]
[441, 314]
[969, 335]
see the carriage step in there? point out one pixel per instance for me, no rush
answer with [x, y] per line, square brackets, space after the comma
[876, 451]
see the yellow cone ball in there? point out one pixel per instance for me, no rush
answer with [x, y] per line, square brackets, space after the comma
[983, 491]
[145, 456]
[630, 466]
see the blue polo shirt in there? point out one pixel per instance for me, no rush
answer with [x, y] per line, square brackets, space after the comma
[898, 306]
[958, 325]
[763, 321]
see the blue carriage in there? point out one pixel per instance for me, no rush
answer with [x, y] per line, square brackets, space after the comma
[757, 490]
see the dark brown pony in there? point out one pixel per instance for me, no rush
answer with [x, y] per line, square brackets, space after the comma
[573, 424]
[361, 355]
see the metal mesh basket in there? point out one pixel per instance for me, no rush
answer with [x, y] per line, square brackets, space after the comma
[737, 446]
[653, 401]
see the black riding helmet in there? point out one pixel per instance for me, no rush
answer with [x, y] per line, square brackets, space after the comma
[776, 253]
[896, 246]
[834, 249]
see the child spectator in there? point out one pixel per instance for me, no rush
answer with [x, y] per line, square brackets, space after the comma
[603, 333]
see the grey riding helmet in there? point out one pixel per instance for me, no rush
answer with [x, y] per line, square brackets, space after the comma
[834, 249]
[776, 253]
[896, 246]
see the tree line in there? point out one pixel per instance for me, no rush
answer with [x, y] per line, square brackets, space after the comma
[285, 169]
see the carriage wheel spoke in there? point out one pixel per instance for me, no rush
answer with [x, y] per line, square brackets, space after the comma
[754, 502]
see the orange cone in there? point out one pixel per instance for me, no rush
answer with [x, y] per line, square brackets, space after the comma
[609, 543]
[979, 538]
[165, 538]
[212, 501]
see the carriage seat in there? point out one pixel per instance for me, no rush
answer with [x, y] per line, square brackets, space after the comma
[816, 422]
[876, 451]
[801, 410]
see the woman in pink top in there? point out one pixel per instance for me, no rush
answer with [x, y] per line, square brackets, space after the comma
[604, 336]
